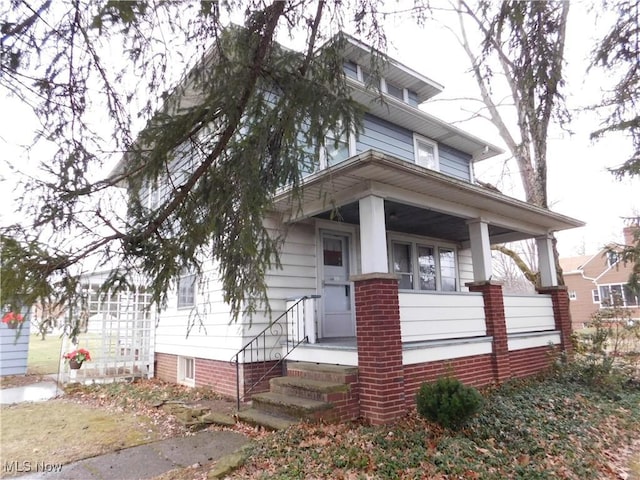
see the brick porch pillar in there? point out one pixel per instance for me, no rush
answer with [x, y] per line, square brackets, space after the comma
[496, 326]
[380, 372]
[561, 313]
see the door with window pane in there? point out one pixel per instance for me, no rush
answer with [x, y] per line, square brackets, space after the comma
[338, 318]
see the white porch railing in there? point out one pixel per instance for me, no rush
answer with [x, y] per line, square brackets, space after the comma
[301, 318]
[440, 316]
[528, 313]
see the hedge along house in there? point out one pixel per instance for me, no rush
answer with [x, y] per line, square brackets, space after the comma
[386, 272]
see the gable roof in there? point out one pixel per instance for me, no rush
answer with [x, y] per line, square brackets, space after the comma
[574, 264]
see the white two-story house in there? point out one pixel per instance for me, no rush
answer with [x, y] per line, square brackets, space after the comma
[386, 268]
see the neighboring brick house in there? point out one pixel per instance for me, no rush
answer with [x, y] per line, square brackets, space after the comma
[594, 281]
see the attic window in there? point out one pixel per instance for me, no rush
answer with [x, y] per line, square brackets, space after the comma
[395, 91]
[612, 258]
[412, 98]
[351, 69]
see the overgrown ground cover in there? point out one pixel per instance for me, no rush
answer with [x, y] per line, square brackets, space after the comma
[549, 428]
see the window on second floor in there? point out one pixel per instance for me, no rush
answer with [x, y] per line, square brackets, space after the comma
[426, 152]
[424, 267]
[336, 150]
[187, 290]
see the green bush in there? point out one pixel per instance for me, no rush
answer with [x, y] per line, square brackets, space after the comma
[448, 402]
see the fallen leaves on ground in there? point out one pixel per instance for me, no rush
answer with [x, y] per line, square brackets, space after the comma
[537, 429]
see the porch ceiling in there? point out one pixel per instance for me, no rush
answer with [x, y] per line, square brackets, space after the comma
[414, 220]
[417, 200]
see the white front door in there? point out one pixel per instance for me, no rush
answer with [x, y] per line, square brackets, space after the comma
[337, 292]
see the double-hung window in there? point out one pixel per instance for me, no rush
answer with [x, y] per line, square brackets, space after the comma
[424, 267]
[426, 153]
[187, 290]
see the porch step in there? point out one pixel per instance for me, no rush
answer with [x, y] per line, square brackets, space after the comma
[253, 416]
[323, 372]
[287, 406]
[307, 388]
[310, 392]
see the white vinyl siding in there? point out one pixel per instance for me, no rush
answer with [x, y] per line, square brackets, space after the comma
[205, 331]
[441, 316]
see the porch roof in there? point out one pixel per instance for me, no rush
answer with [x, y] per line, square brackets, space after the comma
[417, 200]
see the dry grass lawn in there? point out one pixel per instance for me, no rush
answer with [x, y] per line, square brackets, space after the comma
[62, 431]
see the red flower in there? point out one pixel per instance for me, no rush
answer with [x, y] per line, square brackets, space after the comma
[79, 355]
[12, 318]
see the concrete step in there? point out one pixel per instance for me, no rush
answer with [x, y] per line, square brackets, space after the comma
[288, 406]
[264, 419]
[307, 388]
[323, 372]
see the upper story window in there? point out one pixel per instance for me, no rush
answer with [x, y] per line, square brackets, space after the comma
[187, 290]
[426, 153]
[612, 258]
[394, 90]
[424, 267]
[355, 71]
[351, 69]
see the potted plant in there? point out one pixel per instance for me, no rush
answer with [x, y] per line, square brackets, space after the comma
[77, 357]
[12, 319]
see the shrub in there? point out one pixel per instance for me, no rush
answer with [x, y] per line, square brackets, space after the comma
[607, 356]
[448, 402]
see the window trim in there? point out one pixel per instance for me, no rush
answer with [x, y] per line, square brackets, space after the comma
[323, 162]
[182, 371]
[573, 295]
[606, 304]
[414, 243]
[436, 155]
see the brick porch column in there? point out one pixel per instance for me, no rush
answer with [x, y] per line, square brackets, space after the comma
[380, 372]
[496, 326]
[561, 313]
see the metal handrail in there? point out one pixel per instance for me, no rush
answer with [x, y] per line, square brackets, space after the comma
[258, 345]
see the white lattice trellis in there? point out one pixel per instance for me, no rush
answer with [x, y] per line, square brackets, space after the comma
[119, 333]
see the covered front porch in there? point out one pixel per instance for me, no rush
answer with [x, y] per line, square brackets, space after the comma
[413, 318]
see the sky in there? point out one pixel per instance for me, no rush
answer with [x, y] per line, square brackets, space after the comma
[579, 184]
